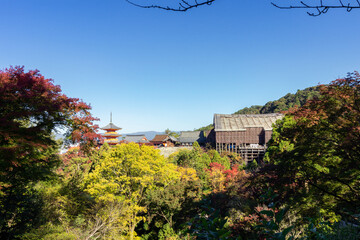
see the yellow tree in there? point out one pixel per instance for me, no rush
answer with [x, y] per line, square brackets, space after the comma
[124, 175]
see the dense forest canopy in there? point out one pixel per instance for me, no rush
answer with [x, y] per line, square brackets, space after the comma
[308, 187]
[284, 103]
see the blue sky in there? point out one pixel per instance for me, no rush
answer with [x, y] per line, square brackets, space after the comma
[157, 69]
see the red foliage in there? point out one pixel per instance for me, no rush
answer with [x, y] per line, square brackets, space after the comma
[339, 100]
[326, 149]
[215, 166]
[31, 109]
[231, 178]
[232, 173]
[74, 161]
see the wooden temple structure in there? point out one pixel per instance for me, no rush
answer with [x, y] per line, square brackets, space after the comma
[163, 140]
[245, 134]
[111, 136]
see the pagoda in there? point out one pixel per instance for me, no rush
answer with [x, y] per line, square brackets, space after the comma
[111, 136]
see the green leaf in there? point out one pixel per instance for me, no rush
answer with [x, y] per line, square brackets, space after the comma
[279, 216]
[287, 230]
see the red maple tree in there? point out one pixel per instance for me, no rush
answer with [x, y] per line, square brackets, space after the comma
[32, 108]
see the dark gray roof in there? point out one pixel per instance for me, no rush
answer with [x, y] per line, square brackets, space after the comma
[136, 138]
[111, 126]
[239, 122]
[192, 136]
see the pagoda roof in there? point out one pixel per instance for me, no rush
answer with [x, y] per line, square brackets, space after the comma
[111, 126]
[111, 134]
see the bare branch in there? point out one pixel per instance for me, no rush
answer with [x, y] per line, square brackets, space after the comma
[183, 5]
[320, 7]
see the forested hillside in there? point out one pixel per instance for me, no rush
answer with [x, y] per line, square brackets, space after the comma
[282, 104]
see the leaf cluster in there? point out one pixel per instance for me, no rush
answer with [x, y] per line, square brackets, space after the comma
[315, 148]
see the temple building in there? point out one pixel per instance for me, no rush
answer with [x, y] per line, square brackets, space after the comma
[245, 134]
[111, 136]
[163, 141]
[187, 138]
[136, 138]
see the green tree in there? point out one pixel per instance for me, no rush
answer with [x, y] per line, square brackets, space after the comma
[67, 211]
[255, 109]
[316, 150]
[171, 133]
[199, 159]
[31, 109]
[174, 204]
[124, 176]
[284, 103]
[206, 128]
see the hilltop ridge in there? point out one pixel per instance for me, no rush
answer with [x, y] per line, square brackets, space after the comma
[282, 104]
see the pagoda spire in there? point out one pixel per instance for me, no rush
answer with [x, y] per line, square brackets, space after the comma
[111, 136]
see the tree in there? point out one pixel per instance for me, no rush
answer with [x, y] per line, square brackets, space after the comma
[284, 103]
[199, 159]
[195, 159]
[317, 6]
[31, 109]
[124, 176]
[67, 211]
[206, 128]
[255, 109]
[174, 204]
[316, 149]
[171, 133]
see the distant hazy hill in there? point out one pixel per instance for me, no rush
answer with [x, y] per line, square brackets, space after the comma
[284, 103]
[149, 134]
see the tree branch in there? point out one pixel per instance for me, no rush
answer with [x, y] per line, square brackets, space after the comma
[183, 5]
[320, 8]
[317, 8]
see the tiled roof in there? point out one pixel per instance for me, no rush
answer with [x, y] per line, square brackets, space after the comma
[110, 126]
[239, 122]
[192, 136]
[160, 138]
[163, 138]
[172, 138]
[136, 138]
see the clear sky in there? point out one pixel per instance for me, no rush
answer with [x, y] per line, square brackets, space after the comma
[157, 69]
